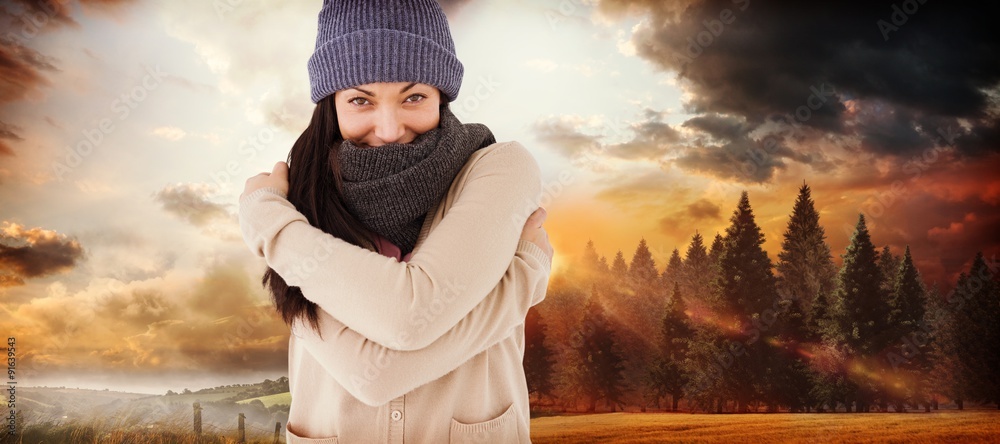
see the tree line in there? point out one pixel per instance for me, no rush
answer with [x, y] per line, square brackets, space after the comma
[723, 329]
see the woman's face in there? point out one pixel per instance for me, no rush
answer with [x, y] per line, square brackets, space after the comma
[374, 114]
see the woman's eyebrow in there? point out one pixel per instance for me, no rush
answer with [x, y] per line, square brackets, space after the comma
[411, 85]
[364, 91]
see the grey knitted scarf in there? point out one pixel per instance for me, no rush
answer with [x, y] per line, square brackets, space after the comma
[390, 188]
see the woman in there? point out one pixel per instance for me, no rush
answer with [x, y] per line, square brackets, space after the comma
[401, 249]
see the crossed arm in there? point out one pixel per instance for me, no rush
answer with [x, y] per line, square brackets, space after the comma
[455, 268]
[376, 375]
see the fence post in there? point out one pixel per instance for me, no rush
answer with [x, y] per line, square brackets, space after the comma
[197, 420]
[243, 430]
[277, 429]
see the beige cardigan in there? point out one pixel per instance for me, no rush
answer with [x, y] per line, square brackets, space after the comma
[428, 350]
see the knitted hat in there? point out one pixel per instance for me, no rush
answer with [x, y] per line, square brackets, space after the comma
[368, 41]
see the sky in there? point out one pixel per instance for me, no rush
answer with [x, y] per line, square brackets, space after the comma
[128, 127]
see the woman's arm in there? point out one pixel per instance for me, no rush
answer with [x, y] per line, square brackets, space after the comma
[450, 271]
[376, 375]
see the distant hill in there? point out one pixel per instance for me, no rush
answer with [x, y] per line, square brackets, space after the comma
[269, 400]
[60, 405]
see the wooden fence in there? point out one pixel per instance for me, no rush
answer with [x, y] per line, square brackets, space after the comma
[241, 428]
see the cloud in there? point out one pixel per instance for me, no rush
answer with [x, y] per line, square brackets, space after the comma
[652, 139]
[170, 133]
[250, 62]
[802, 62]
[7, 133]
[218, 322]
[22, 69]
[190, 202]
[36, 252]
[565, 135]
[703, 209]
[573, 137]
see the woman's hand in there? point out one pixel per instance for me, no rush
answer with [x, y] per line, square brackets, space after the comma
[534, 233]
[277, 178]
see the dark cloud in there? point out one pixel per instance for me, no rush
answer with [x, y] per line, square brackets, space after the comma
[21, 69]
[703, 209]
[190, 202]
[652, 139]
[813, 64]
[723, 147]
[35, 252]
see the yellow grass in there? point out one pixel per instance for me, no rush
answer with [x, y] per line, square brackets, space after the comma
[935, 427]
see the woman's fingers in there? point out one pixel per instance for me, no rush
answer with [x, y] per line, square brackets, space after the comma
[538, 217]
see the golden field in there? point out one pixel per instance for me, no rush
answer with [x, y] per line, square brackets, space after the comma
[769, 428]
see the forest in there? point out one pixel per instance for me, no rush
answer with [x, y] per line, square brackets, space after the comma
[724, 329]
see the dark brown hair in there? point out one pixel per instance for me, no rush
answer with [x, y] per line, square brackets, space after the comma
[314, 188]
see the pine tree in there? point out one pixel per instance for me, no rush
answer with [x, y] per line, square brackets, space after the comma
[714, 257]
[718, 246]
[667, 375]
[696, 276]
[642, 269]
[619, 269]
[591, 262]
[859, 311]
[792, 377]
[672, 273]
[805, 263]
[889, 265]
[907, 311]
[595, 365]
[537, 356]
[746, 287]
[977, 340]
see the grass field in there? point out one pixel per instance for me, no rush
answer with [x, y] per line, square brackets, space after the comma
[269, 400]
[935, 427]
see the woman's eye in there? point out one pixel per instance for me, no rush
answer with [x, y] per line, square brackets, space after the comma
[359, 101]
[416, 98]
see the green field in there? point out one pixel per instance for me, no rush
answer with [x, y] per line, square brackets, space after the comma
[269, 400]
[936, 427]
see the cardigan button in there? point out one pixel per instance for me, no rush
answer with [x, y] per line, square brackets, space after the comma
[397, 415]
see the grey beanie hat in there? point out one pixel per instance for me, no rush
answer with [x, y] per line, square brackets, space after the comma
[368, 41]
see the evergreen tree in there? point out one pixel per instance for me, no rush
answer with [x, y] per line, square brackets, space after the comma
[642, 269]
[619, 269]
[860, 312]
[792, 377]
[595, 367]
[591, 261]
[818, 319]
[746, 287]
[672, 273]
[537, 355]
[889, 265]
[696, 276]
[805, 263]
[667, 375]
[977, 335]
[718, 246]
[714, 256]
[907, 311]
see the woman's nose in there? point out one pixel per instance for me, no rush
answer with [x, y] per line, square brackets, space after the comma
[388, 127]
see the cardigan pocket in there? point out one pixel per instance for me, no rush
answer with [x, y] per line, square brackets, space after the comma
[292, 438]
[502, 429]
